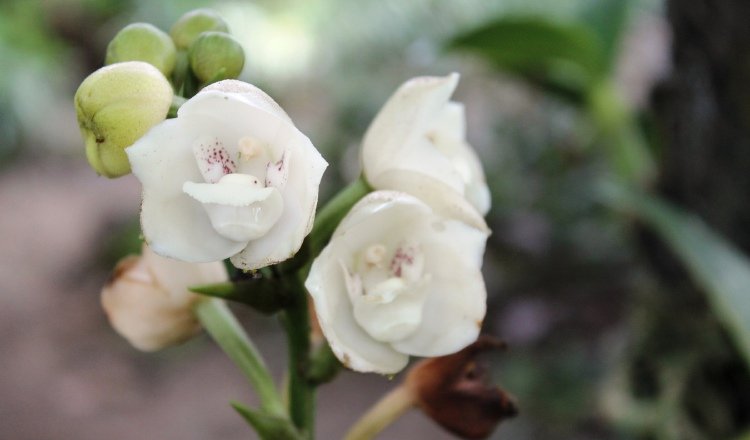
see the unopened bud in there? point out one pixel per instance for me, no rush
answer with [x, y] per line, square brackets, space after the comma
[147, 299]
[116, 105]
[143, 42]
[185, 30]
[215, 56]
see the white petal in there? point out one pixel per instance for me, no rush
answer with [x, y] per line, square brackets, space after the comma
[461, 239]
[300, 194]
[351, 344]
[443, 199]
[395, 209]
[396, 139]
[454, 309]
[175, 275]
[250, 94]
[452, 120]
[390, 311]
[448, 135]
[419, 131]
[175, 225]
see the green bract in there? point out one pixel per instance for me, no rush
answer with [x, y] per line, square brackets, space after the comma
[143, 42]
[192, 24]
[115, 106]
[215, 56]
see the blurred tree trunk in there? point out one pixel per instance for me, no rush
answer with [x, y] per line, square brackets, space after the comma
[703, 114]
[704, 110]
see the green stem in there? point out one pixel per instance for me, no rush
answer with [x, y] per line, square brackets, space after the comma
[223, 327]
[386, 411]
[334, 211]
[628, 151]
[296, 321]
[326, 221]
[177, 102]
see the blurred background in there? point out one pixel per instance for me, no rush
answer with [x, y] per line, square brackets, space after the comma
[615, 136]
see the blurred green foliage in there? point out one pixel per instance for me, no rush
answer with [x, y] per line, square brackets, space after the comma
[566, 281]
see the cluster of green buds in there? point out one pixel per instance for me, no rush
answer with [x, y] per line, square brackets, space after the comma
[147, 73]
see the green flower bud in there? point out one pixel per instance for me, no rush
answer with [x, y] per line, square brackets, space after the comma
[116, 105]
[143, 42]
[215, 56]
[192, 24]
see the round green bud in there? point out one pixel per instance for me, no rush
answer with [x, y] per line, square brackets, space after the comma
[115, 106]
[185, 30]
[143, 42]
[215, 56]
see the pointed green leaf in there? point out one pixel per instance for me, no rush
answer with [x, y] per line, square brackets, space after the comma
[715, 265]
[607, 19]
[267, 426]
[267, 295]
[564, 57]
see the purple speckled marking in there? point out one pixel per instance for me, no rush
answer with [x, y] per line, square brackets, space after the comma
[403, 256]
[214, 161]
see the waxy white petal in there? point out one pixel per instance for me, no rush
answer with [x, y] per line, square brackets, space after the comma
[349, 342]
[174, 224]
[419, 131]
[454, 308]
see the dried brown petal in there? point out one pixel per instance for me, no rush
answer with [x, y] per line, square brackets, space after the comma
[455, 391]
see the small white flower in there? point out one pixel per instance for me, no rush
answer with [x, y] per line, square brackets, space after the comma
[397, 279]
[148, 302]
[417, 144]
[231, 176]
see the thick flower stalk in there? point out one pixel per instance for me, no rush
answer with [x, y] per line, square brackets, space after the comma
[417, 144]
[148, 302]
[231, 176]
[397, 279]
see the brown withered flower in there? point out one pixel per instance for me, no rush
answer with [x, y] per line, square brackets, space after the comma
[455, 391]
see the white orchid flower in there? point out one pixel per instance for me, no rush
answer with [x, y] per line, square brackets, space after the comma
[417, 144]
[231, 176]
[148, 302]
[397, 279]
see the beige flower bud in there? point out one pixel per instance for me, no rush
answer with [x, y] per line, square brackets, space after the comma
[147, 299]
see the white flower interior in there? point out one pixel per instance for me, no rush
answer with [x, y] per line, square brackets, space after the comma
[241, 193]
[386, 288]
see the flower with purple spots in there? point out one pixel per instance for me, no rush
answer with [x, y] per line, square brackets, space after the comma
[231, 176]
[399, 279]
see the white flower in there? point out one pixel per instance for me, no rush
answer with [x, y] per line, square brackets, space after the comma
[230, 176]
[417, 144]
[147, 299]
[397, 279]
